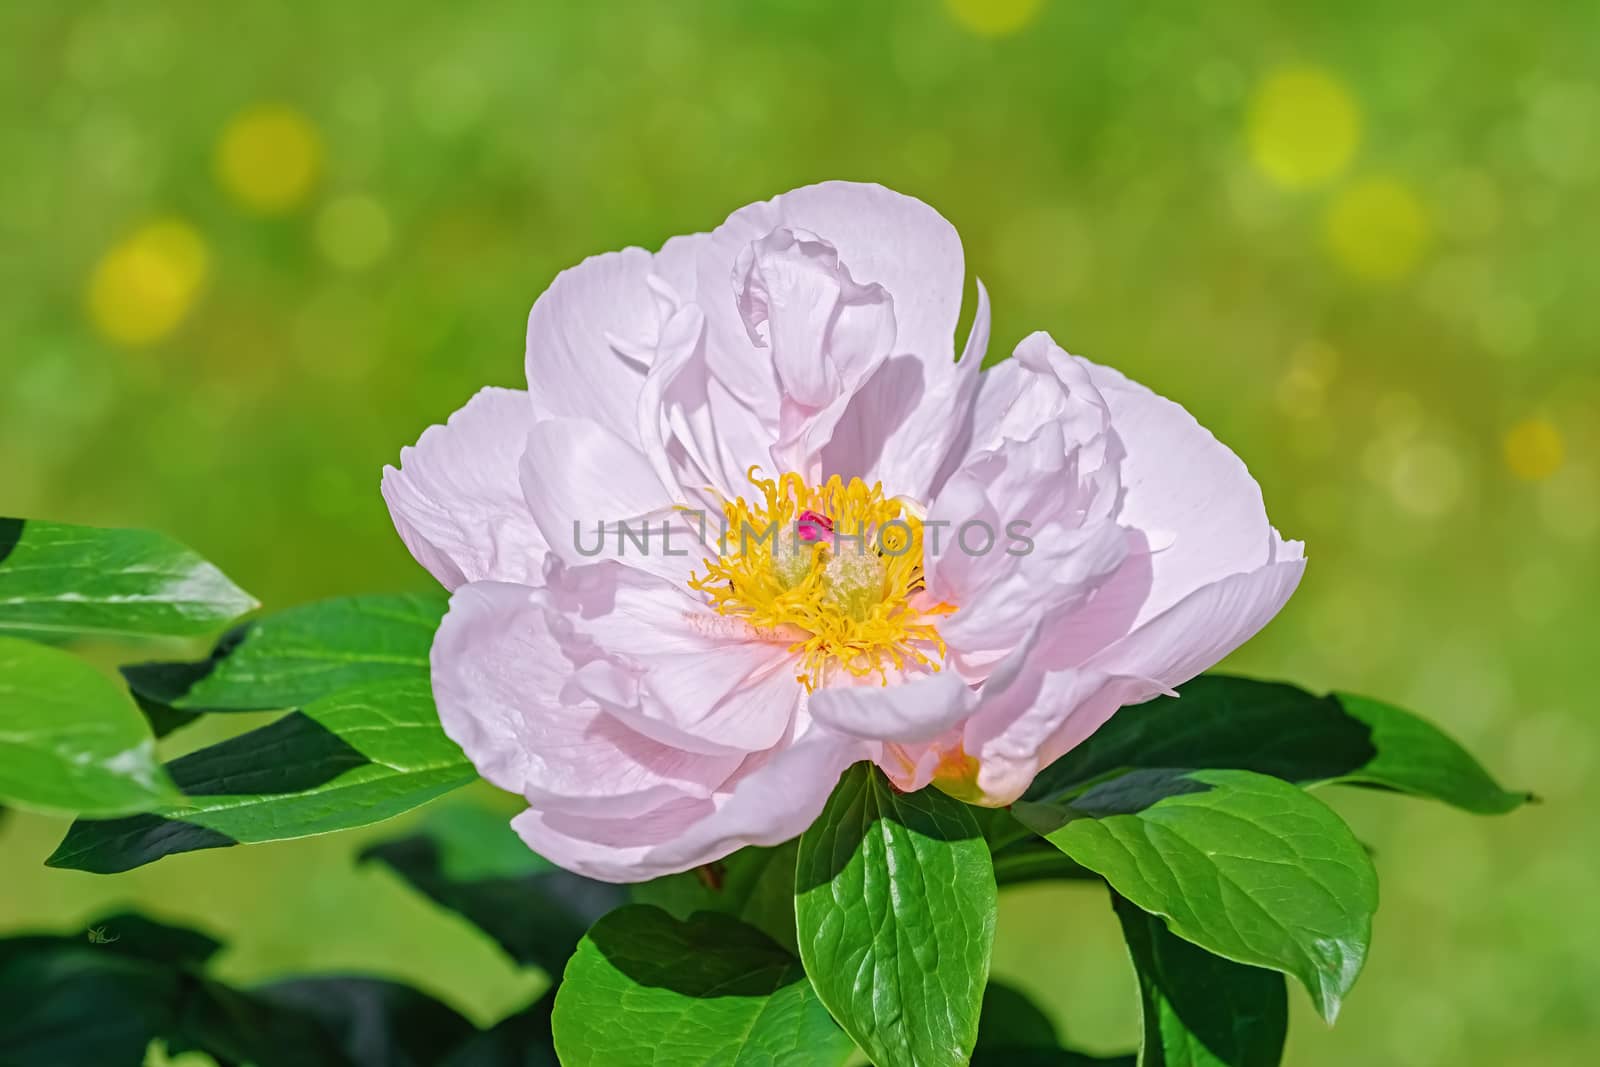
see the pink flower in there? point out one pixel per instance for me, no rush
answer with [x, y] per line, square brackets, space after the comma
[661, 707]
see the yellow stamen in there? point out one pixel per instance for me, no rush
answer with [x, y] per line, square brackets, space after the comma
[843, 598]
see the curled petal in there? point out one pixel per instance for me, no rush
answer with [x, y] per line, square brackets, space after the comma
[456, 500]
[1206, 625]
[912, 709]
[1193, 498]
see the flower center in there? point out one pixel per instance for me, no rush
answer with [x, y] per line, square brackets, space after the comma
[836, 569]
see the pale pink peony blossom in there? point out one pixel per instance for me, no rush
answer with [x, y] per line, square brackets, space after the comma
[660, 710]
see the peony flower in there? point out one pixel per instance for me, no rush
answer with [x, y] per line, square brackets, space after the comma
[663, 689]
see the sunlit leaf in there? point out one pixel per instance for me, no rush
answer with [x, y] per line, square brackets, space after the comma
[1201, 1010]
[1244, 865]
[71, 580]
[292, 657]
[70, 739]
[647, 989]
[895, 906]
[1284, 731]
[351, 759]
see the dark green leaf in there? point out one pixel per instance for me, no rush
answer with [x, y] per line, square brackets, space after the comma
[754, 885]
[1201, 1010]
[1270, 728]
[70, 580]
[1245, 865]
[376, 1022]
[131, 934]
[1014, 1032]
[355, 758]
[645, 988]
[293, 657]
[70, 739]
[70, 1002]
[1009, 1018]
[519, 1040]
[469, 860]
[103, 1001]
[895, 906]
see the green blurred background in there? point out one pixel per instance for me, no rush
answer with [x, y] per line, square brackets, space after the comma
[248, 251]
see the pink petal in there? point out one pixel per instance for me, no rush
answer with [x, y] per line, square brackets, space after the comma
[904, 427]
[774, 798]
[455, 498]
[1206, 625]
[1193, 498]
[581, 481]
[503, 688]
[907, 710]
[657, 658]
[883, 237]
[579, 332]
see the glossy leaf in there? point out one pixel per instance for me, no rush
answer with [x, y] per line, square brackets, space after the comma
[1201, 1010]
[70, 739]
[645, 988]
[469, 860]
[293, 657]
[895, 907]
[1244, 865]
[355, 758]
[72, 580]
[1284, 731]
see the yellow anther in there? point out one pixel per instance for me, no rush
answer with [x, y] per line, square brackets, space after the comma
[835, 568]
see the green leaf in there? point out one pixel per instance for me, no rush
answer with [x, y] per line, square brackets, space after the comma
[68, 1001]
[645, 988]
[104, 999]
[130, 934]
[373, 1021]
[1244, 865]
[71, 580]
[522, 1039]
[293, 657]
[469, 860]
[1014, 1032]
[1276, 729]
[1201, 1010]
[70, 739]
[755, 885]
[895, 904]
[351, 759]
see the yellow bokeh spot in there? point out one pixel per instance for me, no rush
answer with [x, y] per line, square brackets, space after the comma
[268, 159]
[994, 18]
[1534, 449]
[145, 286]
[1303, 127]
[1377, 230]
